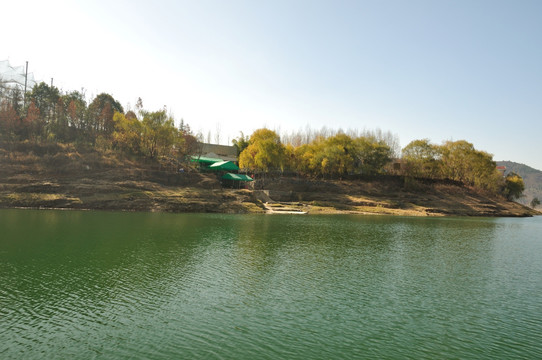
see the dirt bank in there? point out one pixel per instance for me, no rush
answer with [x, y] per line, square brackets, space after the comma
[391, 195]
[57, 176]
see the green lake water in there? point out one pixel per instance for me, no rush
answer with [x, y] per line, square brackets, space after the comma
[103, 285]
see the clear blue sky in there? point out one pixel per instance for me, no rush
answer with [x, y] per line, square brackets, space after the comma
[443, 70]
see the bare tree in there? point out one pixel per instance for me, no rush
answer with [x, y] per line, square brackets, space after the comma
[217, 134]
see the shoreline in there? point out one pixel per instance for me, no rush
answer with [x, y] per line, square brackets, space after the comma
[227, 201]
[95, 181]
[264, 213]
[318, 212]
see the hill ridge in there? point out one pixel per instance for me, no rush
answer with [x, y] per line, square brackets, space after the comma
[532, 178]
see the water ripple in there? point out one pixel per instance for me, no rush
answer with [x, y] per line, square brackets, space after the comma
[223, 287]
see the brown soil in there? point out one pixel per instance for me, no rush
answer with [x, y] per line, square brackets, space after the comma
[58, 176]
[393, 195]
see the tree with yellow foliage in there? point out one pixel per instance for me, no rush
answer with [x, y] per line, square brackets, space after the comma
[421, 159]
[265, 152]
[127, 134]
[514, 186]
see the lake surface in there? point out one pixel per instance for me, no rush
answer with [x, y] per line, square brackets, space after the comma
[84, 285]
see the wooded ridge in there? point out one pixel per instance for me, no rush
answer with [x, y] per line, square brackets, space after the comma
[47, 131]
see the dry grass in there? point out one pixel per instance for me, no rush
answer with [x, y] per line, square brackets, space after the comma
[69, 176]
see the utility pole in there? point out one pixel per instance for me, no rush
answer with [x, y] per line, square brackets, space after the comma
[25, 79]
[51, 82]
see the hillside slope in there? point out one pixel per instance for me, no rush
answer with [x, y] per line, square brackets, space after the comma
[531, 177]
[393, 195]
[62, 176]
[67, 178]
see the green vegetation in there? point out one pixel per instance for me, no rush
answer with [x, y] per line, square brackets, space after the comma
[47, 115]
[335, 156]
[240, 143]
[458, 161]
[421, 159]
[532, 178]
[514, 186]
[264, 152]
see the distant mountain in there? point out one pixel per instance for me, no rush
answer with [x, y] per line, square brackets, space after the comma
[531, 177]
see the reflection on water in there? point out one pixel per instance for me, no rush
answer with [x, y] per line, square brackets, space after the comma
[125, 285]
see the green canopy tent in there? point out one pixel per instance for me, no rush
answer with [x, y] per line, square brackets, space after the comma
[234, 180]
[205, 160]
[224, 165]
[238, 177]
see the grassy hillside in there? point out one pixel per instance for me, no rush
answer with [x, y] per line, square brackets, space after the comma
[531, 177]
